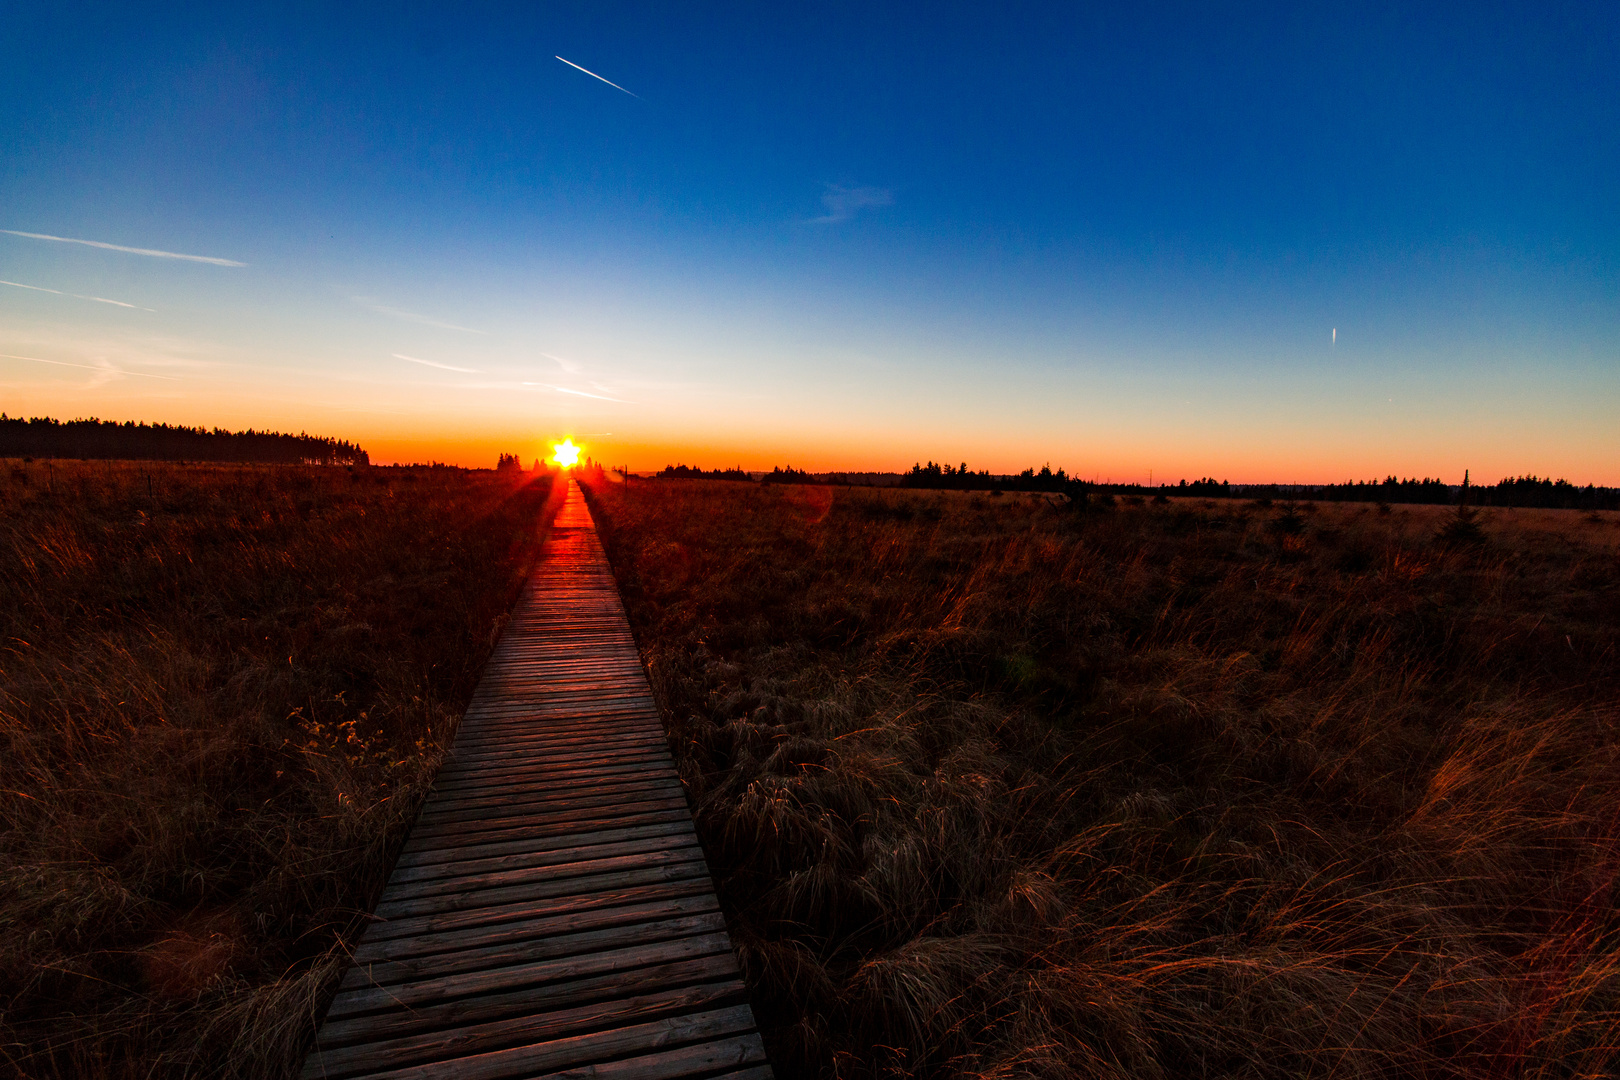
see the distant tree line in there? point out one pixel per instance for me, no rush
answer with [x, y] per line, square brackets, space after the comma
[692, 472]
[1523, 491]
[107, 439]
[1387, 490]
[789, 475]
[935, 477]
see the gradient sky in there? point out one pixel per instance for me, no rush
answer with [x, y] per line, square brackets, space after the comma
[1116, 238]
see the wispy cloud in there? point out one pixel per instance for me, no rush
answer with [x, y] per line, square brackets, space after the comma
[570, 366]
[76, 296]
[128, 250]
[370, 304]
[35, 288]
[579, 393]
[102, 369]
[594, 75]
[441, 367]
[843, 203]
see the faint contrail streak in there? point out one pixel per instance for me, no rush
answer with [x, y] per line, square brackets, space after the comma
[442, 367]
[578, 393]
[594, 75]
[76, 296]
[91, 367]
[131, 250]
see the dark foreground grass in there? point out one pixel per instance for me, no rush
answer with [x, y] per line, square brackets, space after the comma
[222, 693]
[993, 788]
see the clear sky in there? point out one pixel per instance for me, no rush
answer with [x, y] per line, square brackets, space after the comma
[1295, 243]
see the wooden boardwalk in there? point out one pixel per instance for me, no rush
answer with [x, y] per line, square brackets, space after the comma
[552, 913]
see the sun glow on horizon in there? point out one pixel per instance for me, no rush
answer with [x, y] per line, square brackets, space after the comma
[565, 453]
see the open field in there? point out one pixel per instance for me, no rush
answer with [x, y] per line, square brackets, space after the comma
[994, 788]
[223, 690]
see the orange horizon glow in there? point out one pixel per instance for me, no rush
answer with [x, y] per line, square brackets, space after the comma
[1238, 447]
[1118, 463]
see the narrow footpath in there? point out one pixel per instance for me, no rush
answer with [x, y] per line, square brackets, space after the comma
[552, 913]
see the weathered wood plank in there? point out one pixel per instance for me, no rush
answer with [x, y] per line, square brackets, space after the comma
[598, 808]
[532, 853]
[540, 1059]
[686, 1061]
[446, 1015]
[558, 882]
[478, 834]
[508, 953]
[521, 1030]
[561, 792]
[667, 825]
[644, 854]
[548, 767]
[548, 757]
[522, 929]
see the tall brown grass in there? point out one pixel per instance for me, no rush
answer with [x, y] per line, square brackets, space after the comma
[223, 691]
[997, 789]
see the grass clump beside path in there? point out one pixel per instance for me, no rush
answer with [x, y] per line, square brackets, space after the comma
[223, 691]
[994, 788]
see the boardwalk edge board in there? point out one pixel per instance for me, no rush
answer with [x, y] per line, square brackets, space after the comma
[552, 913]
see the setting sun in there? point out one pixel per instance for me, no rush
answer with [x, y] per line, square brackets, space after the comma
[565, 454]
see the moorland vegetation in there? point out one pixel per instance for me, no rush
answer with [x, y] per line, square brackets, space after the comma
[223, 693]
[993, 786]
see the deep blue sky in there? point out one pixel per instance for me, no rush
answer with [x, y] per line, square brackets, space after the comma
[1113, 237]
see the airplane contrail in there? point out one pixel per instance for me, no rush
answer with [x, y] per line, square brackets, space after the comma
[594, 75]
[105, 370]
[578, 393]
[441, 367]
[131, 250]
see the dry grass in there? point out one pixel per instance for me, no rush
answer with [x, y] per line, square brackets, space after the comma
[995, 789]
[222, 693]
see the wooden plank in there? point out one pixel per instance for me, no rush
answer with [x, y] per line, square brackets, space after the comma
[677, 823]
[600, 874]
[547, 825]
[657, 761]
[450, 1014]
[553, 1057]
[534, 729]
[551, 766]
[529, 780]
[697, 1060]
[524, 755]
[546, 819]
[522, 929]
[528, 950]
[514, 854]
[472, 777]
[520, 1030]
[576, 862]
[588, 895]
[565, 792]
[470, 984]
